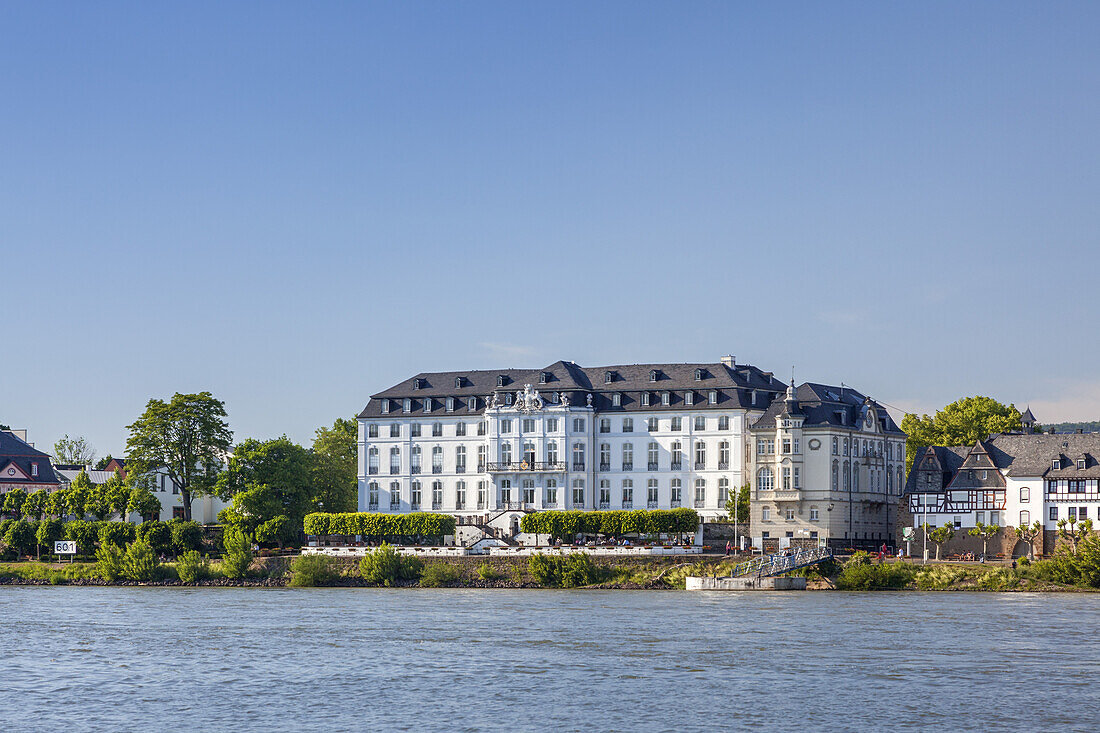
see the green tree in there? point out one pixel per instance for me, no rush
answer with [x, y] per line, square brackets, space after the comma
[187, 437]
[85, 534]
[266, 479]
[157, 534]
[13, 502]
[963, 422]
[98, 503]
[20, 537]
[117, 493]
[1028, 534]
[75, 451]
[142, 502]
[57, 503]
[80, 491]
[139, 562]
[35, 505]
[335, 472]
[939, 536]
[274, 531]
[186, 536]
[986, 532]
[1073, 531]
[48, 532]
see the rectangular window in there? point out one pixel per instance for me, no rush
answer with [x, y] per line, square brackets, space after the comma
[652, 425]
[766, 514]
[677, 424]
[414, 430]
[786, 445]
[628, 425]
[700, 422]
[505, 427]
[578, 492]
[689, 398]
[551, 493]
[605, 425]
[787, 477]
[616, 400]
[395, 431]
[813, 515]
[385, 406]
[1053, 514]
[790, 515]
[665, 399]
[645, 399]
[712, 397]
[372, 431]
[528, 425]
[450, 404]
[578, 425]
[552, 425]
[460, 429]
[481, 428]
[797, 480]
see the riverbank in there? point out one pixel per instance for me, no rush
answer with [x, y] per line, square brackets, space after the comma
[860, 573]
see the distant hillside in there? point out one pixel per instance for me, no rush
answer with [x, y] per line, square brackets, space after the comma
[1073, 427]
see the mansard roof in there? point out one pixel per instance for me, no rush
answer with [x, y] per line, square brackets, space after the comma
[822, 404]
[23, 454]
[734, 384]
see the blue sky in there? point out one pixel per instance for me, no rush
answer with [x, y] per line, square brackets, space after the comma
[297, 205]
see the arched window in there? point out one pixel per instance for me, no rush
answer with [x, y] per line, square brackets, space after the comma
[723, 491]
[395, 460]
[437, 495]
[674, 491]
[1025, 517]
[855, 476]
[460, 459]
[437, 429]
[437, 459]
[372, 460]
[1025, 496]
[414, 495]
[578, 490]
[700, 492]
[628, 493]
[651, 493]
[845, 446]
[835, 446]
[395, 495]
[765, 479]
[677, 455]
[847, 477]
[700, 454]
[416, 459]
[628, 456]
[652, 455]
[605, 456]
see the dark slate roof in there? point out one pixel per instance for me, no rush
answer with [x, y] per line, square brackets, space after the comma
[1033, 455]
[734, 385]
[948, 460]
[12, 449]
[1027, 417]
[822, 404]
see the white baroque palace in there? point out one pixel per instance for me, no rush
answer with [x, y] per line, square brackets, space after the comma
[487, 444]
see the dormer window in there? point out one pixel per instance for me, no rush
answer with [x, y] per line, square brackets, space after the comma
[473, 403]
[689, 398]
[1080, 464]
[450, 404]
[712, 397]
[1056, 463]
[665, 399]
[458, 382]
[617, 400]
[34, 469]
[428, 405]
[544, 377]
[500, 380]
[607, 377]
[754, 398]
[417, 383]
[385, 406]
[508, 399]
[645, 399]
[698, 375]
[407, 405]
[653, 375]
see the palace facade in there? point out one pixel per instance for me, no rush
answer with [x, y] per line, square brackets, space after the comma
[641, 436]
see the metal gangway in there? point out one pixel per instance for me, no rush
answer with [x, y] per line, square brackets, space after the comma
[782, 562]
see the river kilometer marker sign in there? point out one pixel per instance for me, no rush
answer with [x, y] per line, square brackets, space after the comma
[64, 547]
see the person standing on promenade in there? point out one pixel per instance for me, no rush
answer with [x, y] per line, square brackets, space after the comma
[729, 547]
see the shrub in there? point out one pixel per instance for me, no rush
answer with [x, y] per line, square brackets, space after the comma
[486, 571]
[108, 564]
[545, 570]
[883, 576]
[274, 530]
[49, 530]
[1003, 579]
[238, 554]
[1024, 561]
[186, 536]
[438, 575]
[116, 533]
[139, 561]
[192, 567]
[939, 577]
[309, 570]
[157, 534]
[572, 571]
[386, 565]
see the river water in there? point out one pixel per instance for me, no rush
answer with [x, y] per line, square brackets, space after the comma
[157, 659]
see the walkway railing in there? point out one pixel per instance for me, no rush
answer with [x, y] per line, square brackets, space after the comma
[783, 562]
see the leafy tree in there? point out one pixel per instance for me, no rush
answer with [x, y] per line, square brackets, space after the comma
[142, 502]
[939, 536]
[266, 479]
[98, 503]
[13, 502]
[986, 532]
[35, 504]
[334, 470]
[109, 561]
[85, 534]
[116, 491]
[1028, 534]
[20, 537]
[80, 491]
[101, 464]
[157, 534]
[48, 532]
[116, 533]
[963, 422]
[187, 437]
[74, 451]
[1073, 531]
[57, 503]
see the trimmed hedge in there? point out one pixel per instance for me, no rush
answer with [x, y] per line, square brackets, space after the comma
[370, 524]
[562, 524]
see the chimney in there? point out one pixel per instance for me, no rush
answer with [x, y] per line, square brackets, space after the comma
[729, 361]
